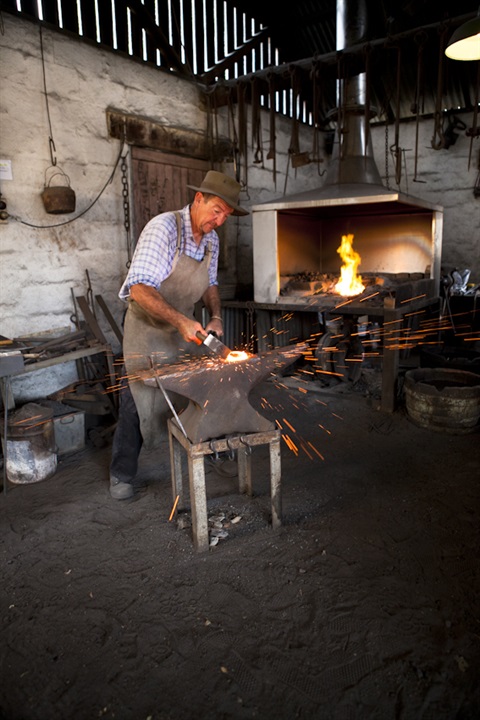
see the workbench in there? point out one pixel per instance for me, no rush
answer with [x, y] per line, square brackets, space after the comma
[20, 368]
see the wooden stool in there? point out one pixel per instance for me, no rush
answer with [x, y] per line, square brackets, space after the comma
[243, 444]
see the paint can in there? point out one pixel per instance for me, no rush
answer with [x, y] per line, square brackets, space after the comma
[30, 444]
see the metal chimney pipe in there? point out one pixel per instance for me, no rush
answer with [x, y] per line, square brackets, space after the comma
[352, 160]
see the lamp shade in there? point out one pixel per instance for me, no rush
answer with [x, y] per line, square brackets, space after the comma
[465, 41]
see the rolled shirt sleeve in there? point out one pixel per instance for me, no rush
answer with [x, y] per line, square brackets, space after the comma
[154, 254]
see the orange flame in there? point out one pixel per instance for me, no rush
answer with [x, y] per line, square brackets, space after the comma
[350, 283]
[237, 356]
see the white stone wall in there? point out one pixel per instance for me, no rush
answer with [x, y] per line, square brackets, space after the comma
[41, 266]
[445, 179]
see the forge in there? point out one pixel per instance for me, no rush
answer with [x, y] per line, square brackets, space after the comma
[218, 391]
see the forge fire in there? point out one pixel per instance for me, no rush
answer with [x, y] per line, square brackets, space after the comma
[350, 283]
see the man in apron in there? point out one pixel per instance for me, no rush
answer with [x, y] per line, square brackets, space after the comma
[173, 267]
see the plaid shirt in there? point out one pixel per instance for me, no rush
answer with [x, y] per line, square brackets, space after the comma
[152, 260]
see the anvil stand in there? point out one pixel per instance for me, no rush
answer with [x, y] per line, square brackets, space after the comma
[196, 453]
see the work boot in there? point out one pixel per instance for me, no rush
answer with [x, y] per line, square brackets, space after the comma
[120, 490]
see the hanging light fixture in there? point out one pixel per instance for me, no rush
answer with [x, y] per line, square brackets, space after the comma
[465, 41]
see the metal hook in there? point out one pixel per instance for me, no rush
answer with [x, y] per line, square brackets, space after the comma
[53, 149]
[231, 450]
[247, 445]
[212, 448]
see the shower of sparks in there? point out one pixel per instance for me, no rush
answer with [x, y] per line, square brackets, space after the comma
[289, 425]
[412, 299]
[28, 422]
[174, 508]
[329, 432]
[414, 329]
[290, 444]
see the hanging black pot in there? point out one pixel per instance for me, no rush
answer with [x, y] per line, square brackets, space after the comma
[58, 199]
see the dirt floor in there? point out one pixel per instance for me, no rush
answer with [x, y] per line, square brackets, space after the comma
[365, 604]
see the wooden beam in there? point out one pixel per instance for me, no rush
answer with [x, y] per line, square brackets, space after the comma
[143, 132]
[156, 33]
[237, 56]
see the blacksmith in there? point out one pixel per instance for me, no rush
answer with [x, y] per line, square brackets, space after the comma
[173, 267]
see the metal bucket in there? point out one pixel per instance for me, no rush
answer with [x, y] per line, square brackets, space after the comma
[30, 444]
[443, 399]
[58, 199]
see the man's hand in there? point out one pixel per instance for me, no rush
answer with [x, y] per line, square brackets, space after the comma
[188, 330]
[215, 326]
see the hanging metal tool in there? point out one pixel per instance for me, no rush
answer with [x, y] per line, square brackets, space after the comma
[368, 91]
[242, 130]
[257, 147]
[272, 154]
[90, 299]
[473, 132]
[232, 133]
[395, 148]
[476, 188]
[316, 96]
[417, 107]
[437, 138]
[298, 158]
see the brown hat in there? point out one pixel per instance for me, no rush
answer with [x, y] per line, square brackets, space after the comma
[216, 183]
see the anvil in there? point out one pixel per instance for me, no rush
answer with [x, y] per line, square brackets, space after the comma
[218, 391]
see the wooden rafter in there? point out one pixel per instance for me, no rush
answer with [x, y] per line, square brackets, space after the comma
[158, 37]
[235, 57]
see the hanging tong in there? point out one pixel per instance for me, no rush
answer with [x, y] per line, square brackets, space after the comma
[437, 138]
[257, 147]
[272, 155]
[474, 131]
[316, 96]
[242, 130]
[395, 148]
[417, 107]
[232, 131]
[299, 159]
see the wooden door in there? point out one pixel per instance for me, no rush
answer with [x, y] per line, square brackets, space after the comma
[159, 183]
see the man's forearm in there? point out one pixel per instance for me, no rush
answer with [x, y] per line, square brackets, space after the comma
[158, 308]
[155, 304]
[211, 300]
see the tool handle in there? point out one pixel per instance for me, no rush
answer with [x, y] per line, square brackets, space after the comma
[203, 337]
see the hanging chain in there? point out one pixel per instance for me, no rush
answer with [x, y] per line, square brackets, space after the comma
[126, 205]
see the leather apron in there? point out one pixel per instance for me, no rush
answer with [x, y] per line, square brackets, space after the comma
[149, 342]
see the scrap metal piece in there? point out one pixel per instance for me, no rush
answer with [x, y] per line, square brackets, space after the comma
[170, 405]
